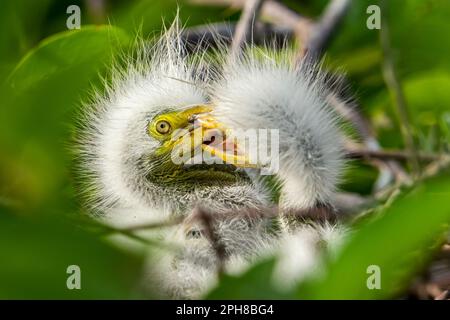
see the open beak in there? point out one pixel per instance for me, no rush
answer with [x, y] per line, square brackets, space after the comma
[214, 138]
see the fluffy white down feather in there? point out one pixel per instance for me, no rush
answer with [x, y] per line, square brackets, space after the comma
[114, 126]
[263, 89]
[255, 91]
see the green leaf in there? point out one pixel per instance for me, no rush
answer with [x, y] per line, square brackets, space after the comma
[148, 16]
[253, 284]
[428, 100]
[20, 26]
[428, 96]
[419, 46]
[65, 52]
[399, 241]
[38, 110]
[35, 256]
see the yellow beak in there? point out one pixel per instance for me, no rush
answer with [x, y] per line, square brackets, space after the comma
[203, 132]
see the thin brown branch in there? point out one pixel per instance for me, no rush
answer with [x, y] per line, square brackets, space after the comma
[96, 10]
[131, 232]
[210, 34]
[396, 91]
[435, 167]
[399, 155]
[431, 170]
[246, 25]
[444, 295]
[348, 204]
[346, 200]
[207, 220]
[314, 37]
[324, 29]
[394, 169]
[271, 11]
[388, 169]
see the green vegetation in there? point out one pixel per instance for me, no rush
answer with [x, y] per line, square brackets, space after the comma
[47, 70]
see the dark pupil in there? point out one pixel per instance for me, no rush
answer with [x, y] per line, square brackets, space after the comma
[162, 125]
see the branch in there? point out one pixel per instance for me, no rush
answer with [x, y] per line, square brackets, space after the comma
[210, 34]
[435, 167]
[245, 25]
[96, 10]
[323, 30]
[207, 220]
[399, 155]
[346, 202]
[388, 169]
[271, 11]
[131, 233]
[314, 36]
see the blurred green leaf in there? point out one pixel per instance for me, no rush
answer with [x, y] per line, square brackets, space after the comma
[417, 28]
[35, 255]
[428, 96]
[253, 284]
[63, 53]
[39, 107]
[38, 113]
[20, 23]
[400, 240]
[148, 16]
[428, 101]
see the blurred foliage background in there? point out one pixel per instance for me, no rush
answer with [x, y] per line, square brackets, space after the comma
[46, 70]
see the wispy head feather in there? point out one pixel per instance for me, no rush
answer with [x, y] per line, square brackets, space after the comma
[263, 88]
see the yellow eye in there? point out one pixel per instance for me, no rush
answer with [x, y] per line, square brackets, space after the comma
[163, 127]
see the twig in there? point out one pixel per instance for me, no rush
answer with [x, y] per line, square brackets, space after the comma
[209, 34]
[388, 170]
[271, 11]
[390, 155]
[313, 36]
[444, 295]
[97, 10]
[245, 25]
[324, 29]
[394, 87]
[346, 199]
[156, 225]
[208, 223]
[348, 204]
[131, 233]
[435, 167]
[429, 171]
